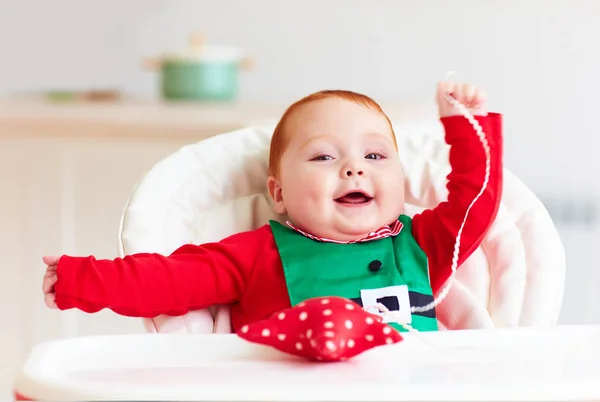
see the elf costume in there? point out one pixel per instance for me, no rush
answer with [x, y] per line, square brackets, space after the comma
[275, 267]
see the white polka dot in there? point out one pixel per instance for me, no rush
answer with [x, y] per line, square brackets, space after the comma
[389, 341]
[330, 345]
[387, 330]
[313, 343]
[309, 333]
[281, 337]
[327, 312]
[266, 332]
[329, 334]
[245, 329]
[298, 346]
[328, 324]
[350, 306]
[369, 320]
[303, 315]
[350, 343]
[325, 301]
[369, 338]
[348, 324]
[281, 316]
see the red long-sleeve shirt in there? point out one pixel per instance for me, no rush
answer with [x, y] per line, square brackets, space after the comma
[245, 269]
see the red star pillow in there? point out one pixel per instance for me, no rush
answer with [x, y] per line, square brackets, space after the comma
[322, 328]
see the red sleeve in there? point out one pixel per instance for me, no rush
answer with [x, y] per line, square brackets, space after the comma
[147, 285]
[435, 229]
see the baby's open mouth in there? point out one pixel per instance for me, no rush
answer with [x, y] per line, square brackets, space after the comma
[354, 198]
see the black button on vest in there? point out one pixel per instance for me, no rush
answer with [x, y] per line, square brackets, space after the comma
[375, 265]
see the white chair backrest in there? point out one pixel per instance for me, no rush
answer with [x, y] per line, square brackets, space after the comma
[214, 188]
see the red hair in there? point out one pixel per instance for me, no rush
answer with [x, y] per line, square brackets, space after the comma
[279, 140]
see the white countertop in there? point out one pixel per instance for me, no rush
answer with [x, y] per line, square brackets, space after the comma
[130, 117]
[32, 116]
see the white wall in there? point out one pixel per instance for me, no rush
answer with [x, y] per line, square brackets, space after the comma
[537, 58]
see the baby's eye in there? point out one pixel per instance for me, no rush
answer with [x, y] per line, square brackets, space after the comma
[374, 156]
[322, 158]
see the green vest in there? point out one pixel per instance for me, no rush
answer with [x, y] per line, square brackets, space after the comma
[392, 271]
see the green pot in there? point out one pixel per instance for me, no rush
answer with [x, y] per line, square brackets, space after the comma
[202, 73]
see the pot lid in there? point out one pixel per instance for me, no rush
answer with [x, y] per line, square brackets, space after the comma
[198, 51]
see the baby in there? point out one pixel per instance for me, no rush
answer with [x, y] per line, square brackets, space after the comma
[335, 171]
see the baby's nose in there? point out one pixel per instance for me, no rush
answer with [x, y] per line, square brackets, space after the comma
[352, 172]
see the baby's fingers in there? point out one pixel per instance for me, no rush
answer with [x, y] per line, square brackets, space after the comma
[446, 87]
[50, 300]
[49, 273]
[469, 93]
[48, 283]
[479, 99]
[50, 260]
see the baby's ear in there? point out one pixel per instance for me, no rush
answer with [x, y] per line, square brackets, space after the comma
[276, 194]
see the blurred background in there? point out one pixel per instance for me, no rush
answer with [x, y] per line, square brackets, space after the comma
[93, 93]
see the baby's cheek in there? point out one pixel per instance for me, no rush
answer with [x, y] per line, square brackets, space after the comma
[316, 190]
[393, 189]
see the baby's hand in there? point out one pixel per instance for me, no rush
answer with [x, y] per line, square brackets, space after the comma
[50, 279]
[470, 96]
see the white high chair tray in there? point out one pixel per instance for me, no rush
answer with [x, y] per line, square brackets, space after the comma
[560, 363]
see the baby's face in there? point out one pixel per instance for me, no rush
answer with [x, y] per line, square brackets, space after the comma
[340, 175]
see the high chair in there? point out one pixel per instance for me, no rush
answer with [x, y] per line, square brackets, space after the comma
[211, 189]
[216, 187]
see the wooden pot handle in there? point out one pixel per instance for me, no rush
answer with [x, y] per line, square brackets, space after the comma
[247, 63]
[151, 64]
[196, 41]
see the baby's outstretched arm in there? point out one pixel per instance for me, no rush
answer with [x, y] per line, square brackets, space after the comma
[436, 229]
[147, 285]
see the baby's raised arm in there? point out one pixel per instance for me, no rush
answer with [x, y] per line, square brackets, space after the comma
[436, 229]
